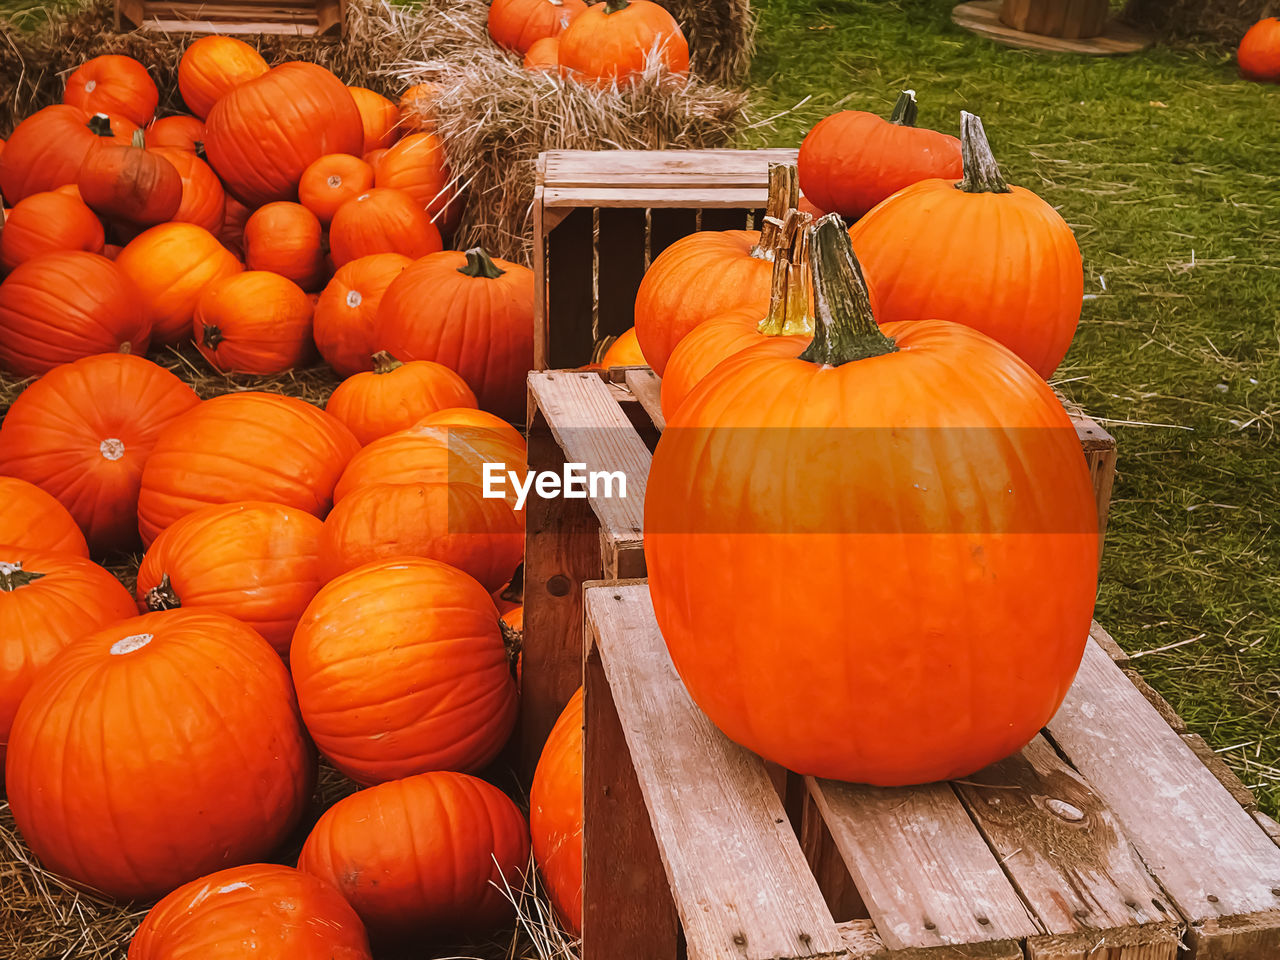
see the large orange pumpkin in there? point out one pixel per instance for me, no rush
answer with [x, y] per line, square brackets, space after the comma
[253, 322]
[156, 750]
[518, 24]
[181, 132]
[172, 265]
[331, 181]
[62, 306]
[379, 116]
[914, 605]
[116, 85]
[47, 601]
[612, 42]
[214, 66]
[474, 423]
[262, 910]
[82, 433]
[343, 326]
[395, 395]
[45, 150]
[416, 165]
[257, 562]
[204, 202]
[472, 313]
[47, 222]
[129, 183]
[1259, 53]
[261, 159]
[555, 814]
[243, 446]
[423, 857]
[382, 220]
[286, 239]
[400, 669]
[993, 257]
[33, 519]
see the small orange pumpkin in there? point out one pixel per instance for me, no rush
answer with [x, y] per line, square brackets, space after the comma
[253, 322]
[611, 42]
[116, 85]
[204, 202]
[381, 118]
[416, 165]
[382, 220]
[34, 520]
[544, 55]
[331, 181]
[45, 150]
[184, 133]
[46, 222]
[396, 395]
[624, 351]
[130, 183]
[555, 813]
[519, 24]
[418, 107]
[213, 66]
[344, 318]
[286, 239]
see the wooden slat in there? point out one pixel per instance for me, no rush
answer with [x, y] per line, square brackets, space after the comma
[592, 168]
[1221, 771]
[128, 13]
[621, 255]
[565, 338]
[739, 880]
[1112, 649]
[238, 29]
[1151, 942]
[646, 386]
[541, 332]
[744, 198]
[329, 17]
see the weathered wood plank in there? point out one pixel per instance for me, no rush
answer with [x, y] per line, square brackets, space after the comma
[541, 308]
[1149, 942]
[646, 386]
[737, 198]
[1220, 770]
[592, 168]
[1108, 644]
[230, 29]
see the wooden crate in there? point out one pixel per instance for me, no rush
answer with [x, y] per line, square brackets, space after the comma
[612, 422]
[1107, 838]
[237, 17]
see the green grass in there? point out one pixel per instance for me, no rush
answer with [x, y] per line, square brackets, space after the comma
[1168, 168]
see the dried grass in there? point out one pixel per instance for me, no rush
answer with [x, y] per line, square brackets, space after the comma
[1224, 21]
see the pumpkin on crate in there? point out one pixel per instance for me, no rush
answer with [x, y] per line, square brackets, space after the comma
[343, 327]
[519, 24]
[555, 814]
[45, 223]
[179, 132]
[214, 66]
[394, 396]
[255, 322]
[1259, 54]
[331, 181]
[612, 42]
[116, 85]
[45, 150]
[416, 165]
[382, 220]
[126, 738]
[32, 519]
[544, 55]
[129, 183]
[380, 118]
[400, 669]
[286, 239]
[204, 202]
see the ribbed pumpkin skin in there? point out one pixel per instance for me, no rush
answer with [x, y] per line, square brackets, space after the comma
[423, 857]
[519, 24]
[379, 117]
[262, 910]
[180, 132]
[45, 150]
[83, 431]
[232, 232]
[544, 55]
[1003, 263]
[479, 327]
[257, 562]
[861, 653]
[204, 202]
[243, 446]
[253, 322]
[698, 277]
[343, 326]
[59, 307]
[116, 85]
[136, 771]
[624, 352]
[450, 522]
[1259, 53]
[555, 814]
[72, 598]
[171, 265]
[261, 159]
[376, 403]
[45, 223]
[287, 239]
[606, 48]
[475, 423]
[32, 519]
[130, 184]
[382, 220]
[331, 181]
[400, 669]
[416, 165]
[213, 66]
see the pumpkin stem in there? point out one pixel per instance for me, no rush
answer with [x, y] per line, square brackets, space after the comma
[199, 148]
[905, 110]
[162, 596]
[784, 194]
[212, 337]
[480, 264]
[981, 172]
[12, 576]
[844, 327]
[615, 6]
[789, 297]
[139, 139]
[383, 362]
[100, 125]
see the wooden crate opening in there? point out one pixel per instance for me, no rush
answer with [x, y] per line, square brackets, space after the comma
[234, 17]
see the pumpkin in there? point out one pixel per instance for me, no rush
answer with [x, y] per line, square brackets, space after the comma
[1259, 53]
[344, 317]
[47, 601]
[204, 202]
[286, 239]
[257, 562]
[373, 156]
[331, 181]
[470, 312]
[423, 857]
[47, 222]
[253, 322]
[416, 165]
[82, 433]
[450, 522]
[233, 223]
[396, 395]
[612, 42]
[379, 116]
[474, 422]
[45, 150]
[710, 273]
[555, 814]
[418, 107]
[214, 66]
[261, 159]
[243, 446]
[514, 618]
[852, 160]
[400, 669]
[993, 257]
[519, 24]
[624, 351]
[172, 265]
[62, 306]
[938, 534]
[156, 750]
[382, 220]
[182, 133]
[544, 55]
[116, 85]
[266, 911]
[130, 183]
[32, 519]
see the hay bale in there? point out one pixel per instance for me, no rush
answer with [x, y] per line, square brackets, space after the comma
[1222, 21]
[721, 34]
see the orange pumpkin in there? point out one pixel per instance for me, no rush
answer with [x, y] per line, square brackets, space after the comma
[382, 221]
[993, 257]
[204, 202]
[331, 181]
[233, 222]
[544, 55]
[130, 183]
[116, 85]
[45, 150]
[416, 165]
[423, 857]
[182, 133]
[62, 306]
[47, 601]
[286, 239]
[519, 24]
[555, 814]
[624, 351]
[253, 322]
[473, 422]
[380, 117]
[344, 318]
[46, 222]
[261, 159]
[400, 669]
[514, 618]
[263, 910]
[450, 522]
[257, 562]
[373, 156]
[612, 42]
[125, 739]
[243, 446]
[214, 66]
[396, 395]
[172, 265]
[32, 519]
[418, 107]
[1259, 53]
[472, 313]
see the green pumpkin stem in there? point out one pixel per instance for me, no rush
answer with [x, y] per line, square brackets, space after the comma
[784, 194]
[162, 596]
[383, 362]
[12, 576]
[616, 6]
[789, 296]
[100, 125]
[905, 110]
[480, 264]
[212, 337]
[844, 327]
[981, 172]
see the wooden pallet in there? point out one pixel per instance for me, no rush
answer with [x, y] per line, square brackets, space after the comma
[1107, 838]
[612, 421]
[237, 17]
[983, 18]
